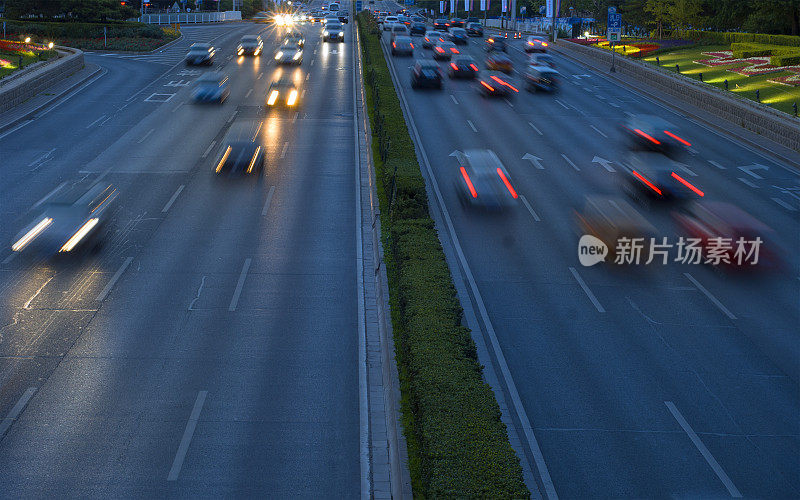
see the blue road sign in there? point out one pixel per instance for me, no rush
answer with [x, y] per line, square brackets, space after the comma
[358, 6]
[614, 21]
[612, 10]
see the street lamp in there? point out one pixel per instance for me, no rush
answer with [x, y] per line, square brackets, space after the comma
[50, 45]
[27, 39]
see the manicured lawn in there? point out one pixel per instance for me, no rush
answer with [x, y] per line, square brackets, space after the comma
[9, 61]
[778, 96]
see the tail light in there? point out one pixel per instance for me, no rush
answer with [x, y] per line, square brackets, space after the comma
[505, 181]
[646, 182]
[491, 89]
[469, 182]
[412, 45]
[648, 137]
[454, 50]
[453, 65]
[679, 139]
[394, 45]
[474, 68]
[687, 184]
[544, 44]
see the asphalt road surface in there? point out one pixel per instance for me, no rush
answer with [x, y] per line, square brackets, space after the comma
[210, 348]
[659, 381]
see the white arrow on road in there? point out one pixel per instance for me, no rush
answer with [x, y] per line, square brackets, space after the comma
[458, 155]
[605, 163]
[534, 159]
[755, 166]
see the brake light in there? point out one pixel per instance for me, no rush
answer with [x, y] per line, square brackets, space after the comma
[394, 45]
[544, 44]
[447, 24]
[647, 183]
[505, 181]
[439, 50]
[454, 50]
[469, 182]
[503, 82]
[687, 184]
[646, 136]
[412, 45]
[682, 141]
[474, 68]
[530, 43]
[491, 89]
[453, 65]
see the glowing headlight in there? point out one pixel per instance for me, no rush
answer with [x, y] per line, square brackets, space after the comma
[325, 33]
[32, 234]
[223, 159]
[292, 98]
[79, 235]
[279, 55]
[273, 96]
[240, 50]
[297, 56]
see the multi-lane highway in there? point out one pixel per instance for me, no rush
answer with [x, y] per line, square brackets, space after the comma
[658, 381]
[210, 348]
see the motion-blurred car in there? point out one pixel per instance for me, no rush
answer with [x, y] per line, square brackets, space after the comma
[294, 38]
[396, 30]
[444, 51]
[496, 43]
[402, 45]
[211, 87]
[495, 84]
[474, 29]
[610, 219]
[650, 132]
[483, 181]
[426, 74]
[344, 17]
[388, 20]
[456, 22]
[541, 78]
[497, 61]
[459, 36]
[441, 24]
[431, 38]
[333, 32]
[241, 151]
[289, 54]
[712, 220]
[654, 177]
[473, 20]
[536, 44]
[463, 67]
[73, 223]
[250, 44]
[541, 59]
[200, 53]
[417, 29]
[283, 92]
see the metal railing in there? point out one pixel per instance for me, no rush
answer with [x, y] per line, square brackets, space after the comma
[190, 17]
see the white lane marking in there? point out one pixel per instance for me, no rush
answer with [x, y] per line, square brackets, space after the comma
[303, 94]
[784, 204]
[716, 164]
[180, 455]
[534, 128]
[48, 195]
[145, 136]
[10, 257]
[269, 199]
[508, 102]
[95, 122]
[232, 117]
[260, 75]
[613, 104]
[469, 122]
[586, 290]
[599, 131]
[15, 128]
[16, 410]
[562, 104]
[530, 208]
[312, 62]
[199, 291]
[734, 492]
[208, 150]
[755, 166]
[283, 151]
[747, 182]
[104, 293]
[710, 296]
[570, 162]
[41, 159]
[172, 200]
[686, 169]
[294, 119]
[239, 285]
[308, 75]
[248, 93]
[104, 121]
[453, 98]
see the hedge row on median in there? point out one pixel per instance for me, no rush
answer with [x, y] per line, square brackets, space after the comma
[53, 30]
[458, 445]
[732, 37]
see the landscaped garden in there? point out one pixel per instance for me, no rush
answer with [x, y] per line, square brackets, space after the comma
[16, 55]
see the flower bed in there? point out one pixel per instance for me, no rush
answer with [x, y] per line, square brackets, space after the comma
[747, 66]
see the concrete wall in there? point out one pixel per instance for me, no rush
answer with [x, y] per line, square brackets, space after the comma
[772, 124]
[25, 86]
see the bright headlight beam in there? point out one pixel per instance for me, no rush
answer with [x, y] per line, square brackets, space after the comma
[253, 159]
[279, 55]
[79, 235]
[224, 159]
[32, 234]
[292, 98]
[273, 96]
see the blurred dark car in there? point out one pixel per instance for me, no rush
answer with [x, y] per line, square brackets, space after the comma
[463, 67]
[653, 133]
[497, 61]
[610, 219]
[654, 177]
[426, 74]
[483, 181]
[441, 24]
[536, 44]
[200, 53]
[473, 20]
[289, 54]
[418, 28]
[459, 36]
[496, 43]
[431, 38]
[242, 153]
[211, 87]
[495, 84]
[74, 223]
[283, 92]
[542, 78]
[344, 17]
[250, 44]
[402, 45]
[474, 29]
[444, 51]
[456, 22]
[541, 59]
[294, 38]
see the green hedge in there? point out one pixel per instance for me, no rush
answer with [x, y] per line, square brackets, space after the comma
[785, 59]
[733, 37]
[458, 445]
[60, 30]
[742, 50]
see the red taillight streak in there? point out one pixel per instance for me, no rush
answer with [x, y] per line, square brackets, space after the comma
[679, 139]
[544, 44]
[439, 49]
[648, 183]
[648, 137]
[469, 182]
[454, 50]
[503, 82]
[412, 45]
[505, 181]
[453, 65]
[394, 44]
[474, 68]
[487, 85]
[687, 184]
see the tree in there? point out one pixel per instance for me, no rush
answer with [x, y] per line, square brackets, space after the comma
[684, 14]
[660, 12]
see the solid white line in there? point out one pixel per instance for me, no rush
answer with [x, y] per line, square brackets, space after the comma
[94, 122]
[209, 148]
[114, 279]
[710, 296]
[177, 107]
[16, 410]
[283, 151]
[734, 492]
[232, 117]
[259, 76]
[747, 182]
[534, 128]
[453, 98]
[614, 104]
[42, 158]
[269, 199]
[508, 102]
[570, 162]
[472, 126]
[48, 195]
[562, 104]
[294, 119]
[172, 200]
[586, 289]
[687, 169]
[308, 75]
[530, 209]
[239, 285]
[180, 455]
[716, 164]
[248, 93]
[599, 131]
[144, 138]
[784, 204]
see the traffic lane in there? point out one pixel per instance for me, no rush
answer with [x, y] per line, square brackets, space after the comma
[502, 135]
